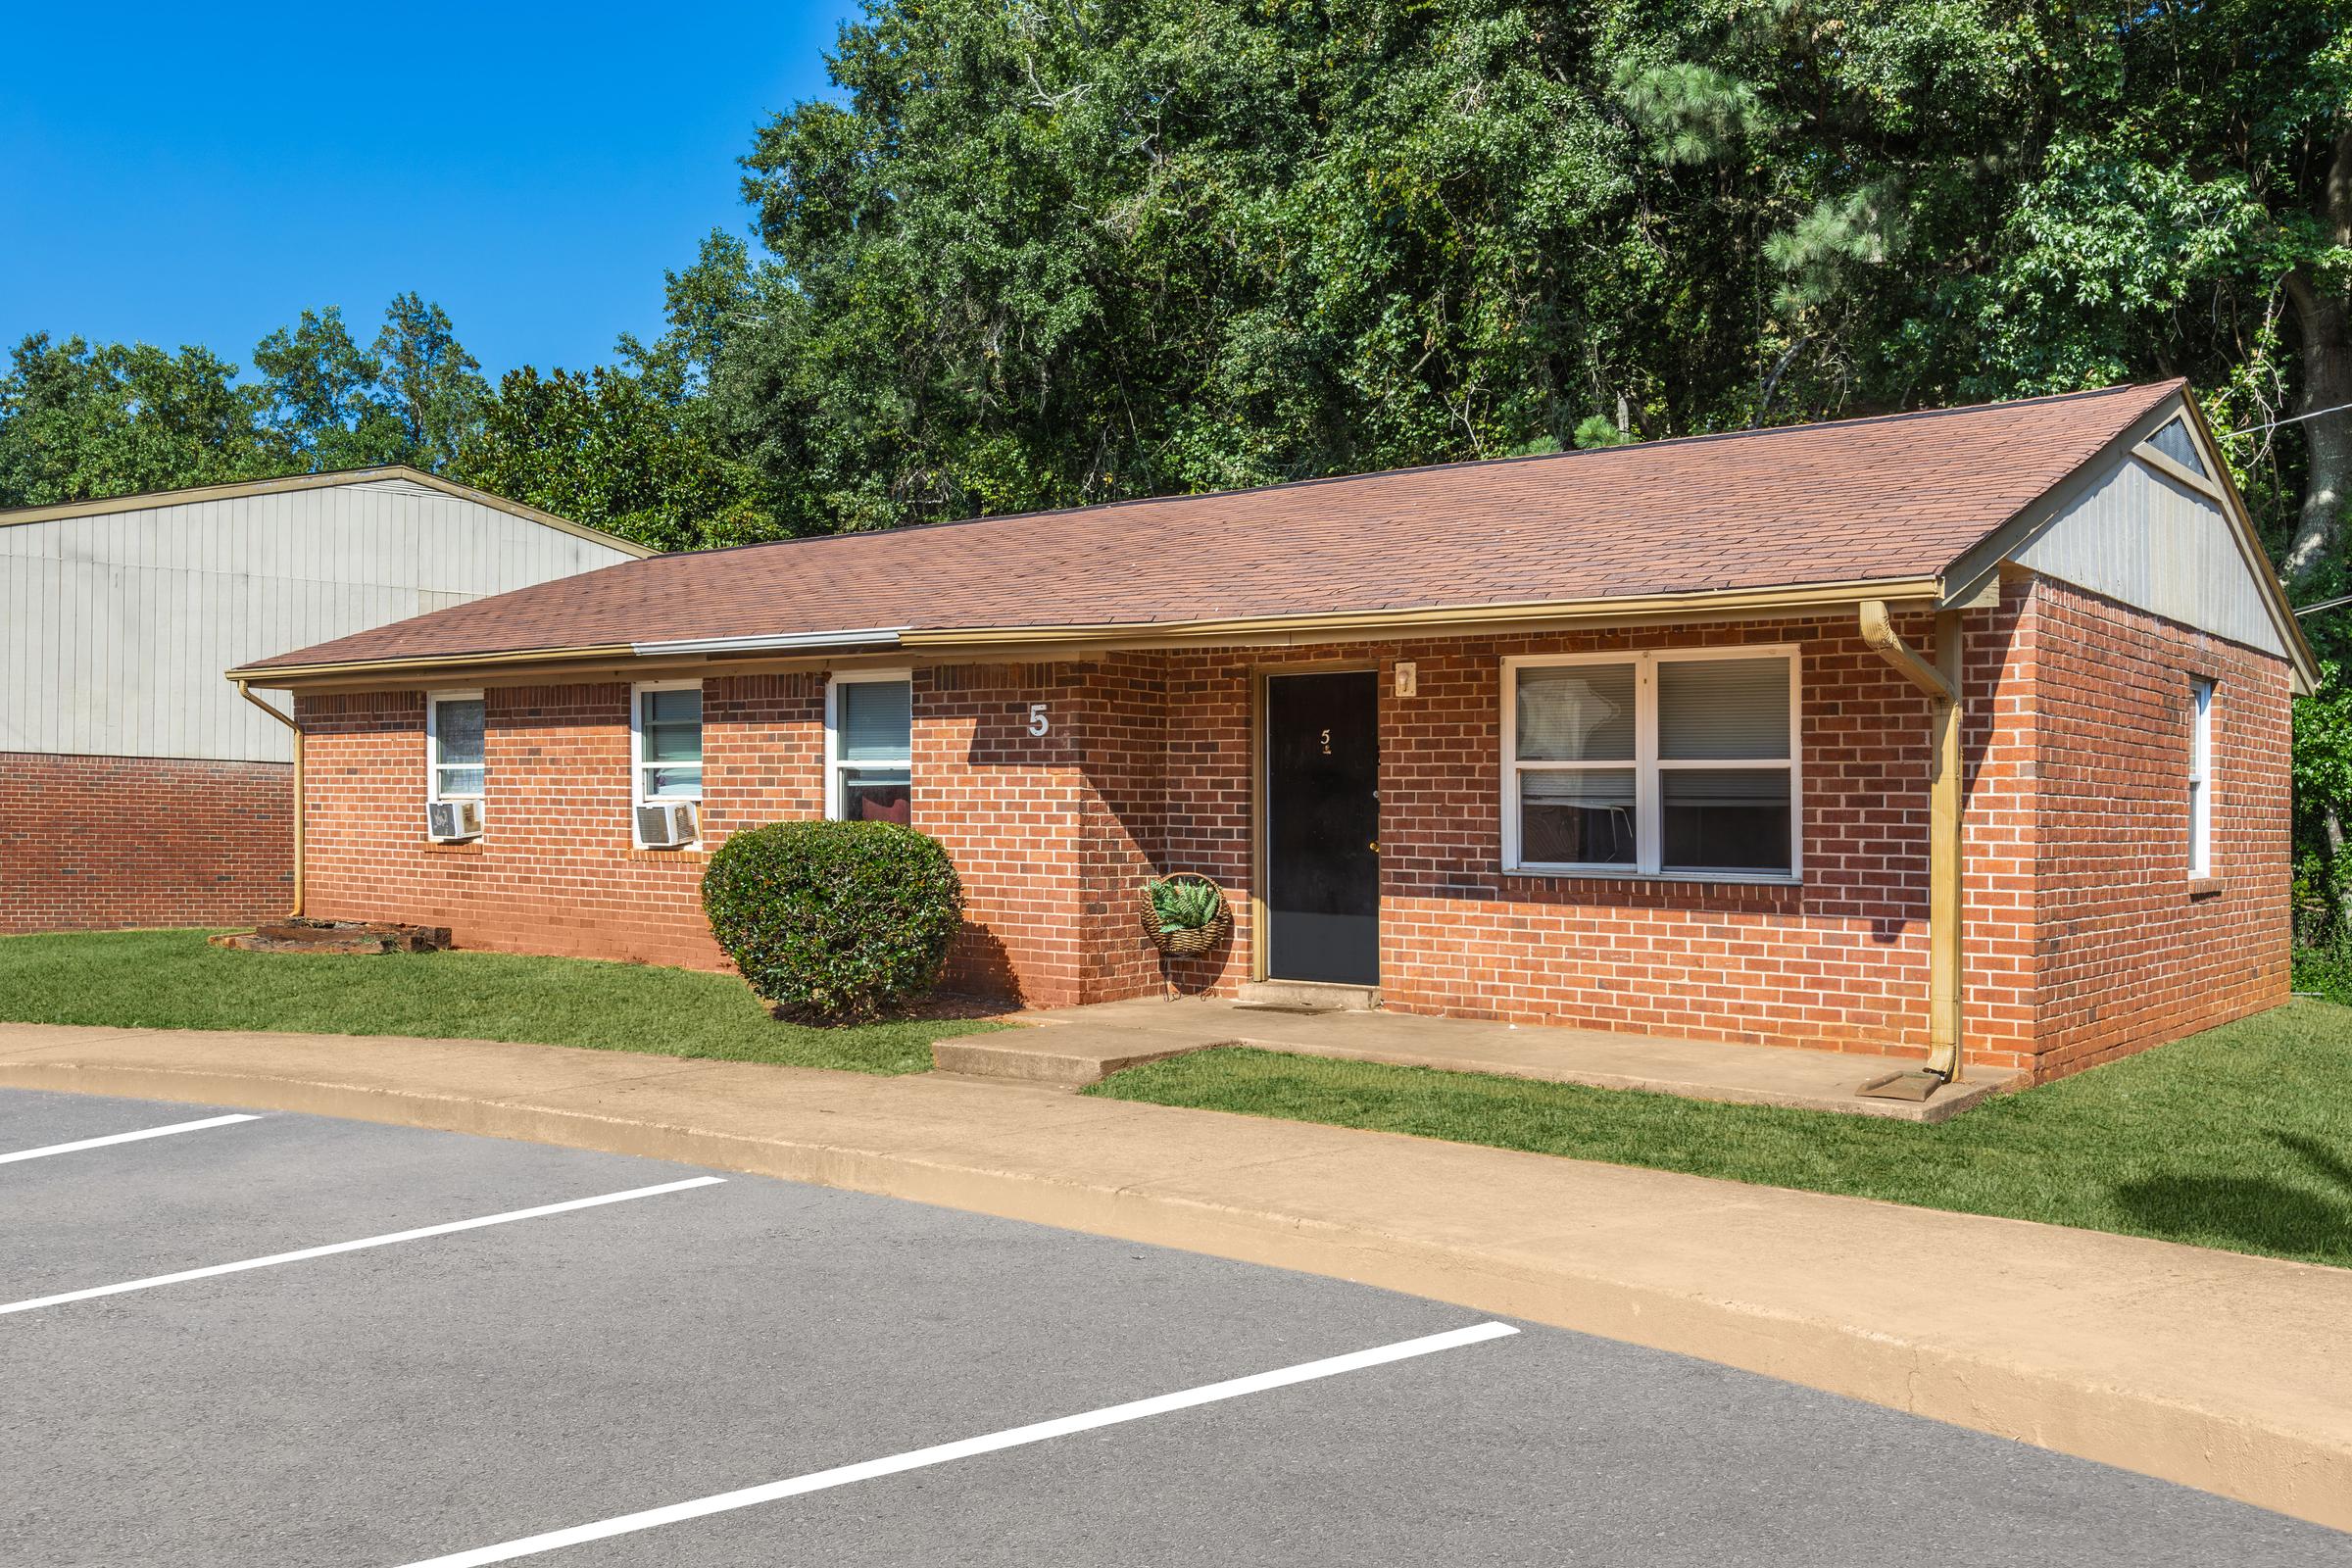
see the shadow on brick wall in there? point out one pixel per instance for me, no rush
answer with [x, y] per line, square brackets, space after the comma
[979, 967]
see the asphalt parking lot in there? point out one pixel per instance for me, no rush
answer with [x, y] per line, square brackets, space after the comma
[700, 1372]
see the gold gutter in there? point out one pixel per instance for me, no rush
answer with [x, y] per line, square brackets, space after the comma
[1940, 681]
[298, 813]
[427, 663]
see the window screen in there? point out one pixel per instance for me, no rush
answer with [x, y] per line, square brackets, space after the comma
[459, 725]
[1577, 712]
[2200, 779]
[1662, 762]
[873, 750]
[670, 745]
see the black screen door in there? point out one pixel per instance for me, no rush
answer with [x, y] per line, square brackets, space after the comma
[1322, 828]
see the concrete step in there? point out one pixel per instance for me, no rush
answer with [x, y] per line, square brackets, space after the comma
[1310, 995]
[1054, 1055]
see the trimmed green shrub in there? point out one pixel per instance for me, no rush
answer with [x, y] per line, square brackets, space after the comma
[834, 921]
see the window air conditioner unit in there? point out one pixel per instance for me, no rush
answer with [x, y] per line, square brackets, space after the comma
[453, 821]
[666, 825]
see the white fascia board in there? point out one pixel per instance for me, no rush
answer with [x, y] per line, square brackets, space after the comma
[871, 636]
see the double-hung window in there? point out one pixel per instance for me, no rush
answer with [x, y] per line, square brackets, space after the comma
[869, 746]
[2200, 778]
[453, 726]
[665, 734]
[1681, 762]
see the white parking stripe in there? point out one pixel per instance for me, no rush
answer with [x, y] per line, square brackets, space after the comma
[123, 1138]
[1014, 1438]
[275, 1258]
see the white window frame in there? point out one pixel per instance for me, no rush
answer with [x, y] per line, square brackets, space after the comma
[2203, 690]
[834, 765]
[433, 743]
[1648, 767]
[637, 762]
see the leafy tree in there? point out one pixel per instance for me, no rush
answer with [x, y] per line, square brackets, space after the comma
[78, 423]
[320, 404]
[606, 449]
[429, 385]
[1049, 254]
[702, 305]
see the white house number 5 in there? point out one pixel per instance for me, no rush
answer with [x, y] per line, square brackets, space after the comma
[1327, 743]
[1038, 722]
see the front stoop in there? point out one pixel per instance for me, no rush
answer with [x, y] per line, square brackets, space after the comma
[1072, 1048]
[1052, 1057]
[1308, 995]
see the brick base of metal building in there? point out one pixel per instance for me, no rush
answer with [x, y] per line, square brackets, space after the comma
[96, 843]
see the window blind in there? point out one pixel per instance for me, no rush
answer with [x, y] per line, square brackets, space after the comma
[875, 718]
[1729, 710]
[1595, 787]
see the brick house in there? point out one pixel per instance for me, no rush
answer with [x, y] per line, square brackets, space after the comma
[136, 789]
[1957, 732]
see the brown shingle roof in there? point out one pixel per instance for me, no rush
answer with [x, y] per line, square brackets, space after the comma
[1860, 500]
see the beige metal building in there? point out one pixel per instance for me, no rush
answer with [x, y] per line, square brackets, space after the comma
[135, 787]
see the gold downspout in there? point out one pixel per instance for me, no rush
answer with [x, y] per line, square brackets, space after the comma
[297, 729]
[1941, 683]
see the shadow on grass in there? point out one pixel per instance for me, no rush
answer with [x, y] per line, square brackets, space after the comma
[2251, 1211]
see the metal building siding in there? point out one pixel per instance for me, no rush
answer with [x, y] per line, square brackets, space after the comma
[2147, 541]
[114, 626]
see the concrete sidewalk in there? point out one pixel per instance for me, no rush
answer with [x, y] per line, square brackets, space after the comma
[1071, 1047]
[2209, 1369]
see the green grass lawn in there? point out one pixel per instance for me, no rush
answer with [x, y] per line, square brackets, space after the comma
[174, 980]
[2241, 1137]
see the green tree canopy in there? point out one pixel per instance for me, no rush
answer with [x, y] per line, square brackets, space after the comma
[77, 421]
[1044, 255]
[320, 409]
[606, 449]
[82, 421]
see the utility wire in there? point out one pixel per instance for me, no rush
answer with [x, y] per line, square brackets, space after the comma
[2276, 423]
[2325, 603]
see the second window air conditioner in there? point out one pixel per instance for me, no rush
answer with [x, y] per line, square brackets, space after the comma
[453, 821]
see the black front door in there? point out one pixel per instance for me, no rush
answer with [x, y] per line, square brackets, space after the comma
[1322, 828]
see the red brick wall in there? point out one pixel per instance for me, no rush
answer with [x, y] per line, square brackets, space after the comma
[554, 870]
[88, 843]
[553, 873]
[1010, 807]
[1146, 767]
[1838, 963]
[2128, 952]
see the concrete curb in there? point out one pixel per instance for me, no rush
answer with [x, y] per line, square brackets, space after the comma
[2208, 1369]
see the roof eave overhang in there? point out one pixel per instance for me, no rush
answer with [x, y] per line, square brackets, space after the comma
[1000, 643]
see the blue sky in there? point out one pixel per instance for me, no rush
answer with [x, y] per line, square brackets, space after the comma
[193, 174]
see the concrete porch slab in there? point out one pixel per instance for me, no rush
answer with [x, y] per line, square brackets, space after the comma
[1073, 1047]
